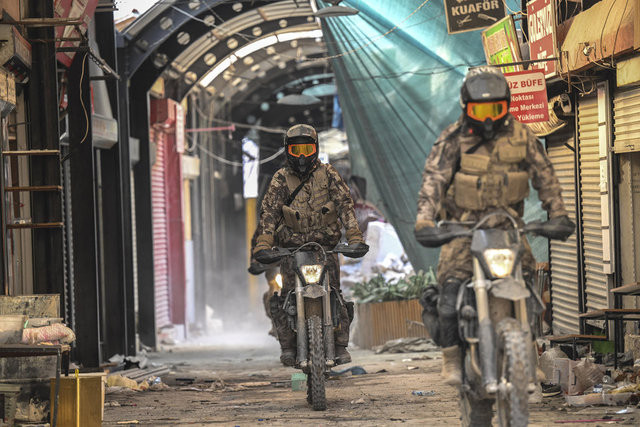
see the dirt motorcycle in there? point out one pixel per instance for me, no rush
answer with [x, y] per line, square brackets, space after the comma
[313, 312]
[495, 309]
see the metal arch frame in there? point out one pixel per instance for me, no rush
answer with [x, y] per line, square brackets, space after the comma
[142, 45]
[180, 14]
[244, 72]
[181, 87]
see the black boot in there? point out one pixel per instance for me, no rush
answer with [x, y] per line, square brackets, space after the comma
[342, 355]
[288, 356]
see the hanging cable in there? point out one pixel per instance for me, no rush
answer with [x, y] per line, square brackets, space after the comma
[234, 163]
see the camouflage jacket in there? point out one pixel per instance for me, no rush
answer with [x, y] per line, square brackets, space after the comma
[273, 228]
[434, 200]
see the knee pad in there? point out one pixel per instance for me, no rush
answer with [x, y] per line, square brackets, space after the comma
[449, 297]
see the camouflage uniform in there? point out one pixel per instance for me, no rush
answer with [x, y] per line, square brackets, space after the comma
[324, 229]
[437, 200]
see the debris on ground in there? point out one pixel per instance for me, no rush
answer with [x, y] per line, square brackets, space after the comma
[357, 402]
[547, 360]
[407, 345]
[355, 370]
[423, 393]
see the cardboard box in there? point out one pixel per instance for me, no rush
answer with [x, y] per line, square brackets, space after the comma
[563, 375]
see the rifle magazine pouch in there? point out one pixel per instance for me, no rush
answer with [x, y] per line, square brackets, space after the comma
[476, 164]
[512, 153]
[292, 218]
[468, 192]
[516, 188]
[329, 214]
[430, 319]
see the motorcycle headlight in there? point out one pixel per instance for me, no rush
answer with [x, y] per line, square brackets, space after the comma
[500, 261]
[279, 280]
[311, 273]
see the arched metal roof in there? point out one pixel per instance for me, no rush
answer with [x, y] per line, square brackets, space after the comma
[185, 40]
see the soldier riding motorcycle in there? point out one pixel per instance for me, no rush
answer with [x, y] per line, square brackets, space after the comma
[483, 163]
[307, 201]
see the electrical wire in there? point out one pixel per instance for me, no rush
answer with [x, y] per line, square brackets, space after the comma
[84, 107]
[373, 40]
[615, 40]
[234, 163]
[241, 125]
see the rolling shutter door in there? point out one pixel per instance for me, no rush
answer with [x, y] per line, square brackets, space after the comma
[160, 235]
[596, 281]
[563, 255]
[626, 106]
[627, 120]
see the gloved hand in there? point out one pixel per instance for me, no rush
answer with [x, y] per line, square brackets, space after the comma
[559, 228]
[427, 234]
[257, 268]
[356, 250]
[266, 256]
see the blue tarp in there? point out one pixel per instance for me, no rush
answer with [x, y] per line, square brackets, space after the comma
[398, 92]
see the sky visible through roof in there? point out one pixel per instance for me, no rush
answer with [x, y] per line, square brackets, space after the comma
[126, 6]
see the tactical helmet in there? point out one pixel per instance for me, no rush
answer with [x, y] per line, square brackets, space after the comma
[301, 144]
[485, 99]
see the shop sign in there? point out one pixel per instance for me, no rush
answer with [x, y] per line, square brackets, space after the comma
[501, 45]
[528, 96]
[541, 19]
[469, 15]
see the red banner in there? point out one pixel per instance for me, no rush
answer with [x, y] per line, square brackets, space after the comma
[528, 96]
[541, 18]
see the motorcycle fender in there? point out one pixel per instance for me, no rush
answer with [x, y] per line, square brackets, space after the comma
[313, 291]
[509, 289]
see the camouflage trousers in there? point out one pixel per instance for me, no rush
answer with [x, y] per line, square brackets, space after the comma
[286, 335]
[455, 266]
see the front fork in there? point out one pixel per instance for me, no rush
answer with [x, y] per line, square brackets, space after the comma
[486, 343]
[329, 344]
[301, 325]
[486, 334]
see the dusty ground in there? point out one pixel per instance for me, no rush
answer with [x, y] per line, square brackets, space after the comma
[245, 386]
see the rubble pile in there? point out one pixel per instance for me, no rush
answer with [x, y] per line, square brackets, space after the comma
[585, 382]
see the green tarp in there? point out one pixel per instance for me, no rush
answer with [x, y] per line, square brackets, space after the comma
[398, 92]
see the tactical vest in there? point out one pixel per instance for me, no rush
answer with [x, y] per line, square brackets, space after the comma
[312, 209]
[492, 178]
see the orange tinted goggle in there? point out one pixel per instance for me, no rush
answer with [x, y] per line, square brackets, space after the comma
[487, 110]
[297, 150]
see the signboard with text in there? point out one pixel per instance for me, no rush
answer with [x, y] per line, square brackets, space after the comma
[528, 96]
[501, 45]
[541, 18]
[469, 15]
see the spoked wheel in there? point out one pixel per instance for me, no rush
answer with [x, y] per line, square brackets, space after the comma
[315, 380]
[513, 373]
[475, 412]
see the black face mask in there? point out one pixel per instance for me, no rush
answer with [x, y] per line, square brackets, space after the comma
[301, 165]
[486, 130]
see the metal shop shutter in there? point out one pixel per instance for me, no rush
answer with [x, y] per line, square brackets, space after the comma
[160, 235]
[596, 281]
[564, 255]
[626, 107]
